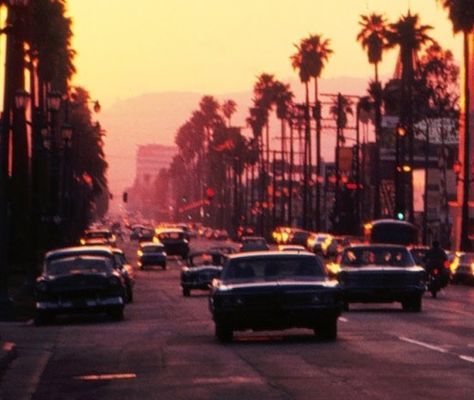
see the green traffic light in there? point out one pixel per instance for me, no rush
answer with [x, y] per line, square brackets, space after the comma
[400, 216]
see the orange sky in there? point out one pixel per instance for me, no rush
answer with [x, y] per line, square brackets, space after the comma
[128, 48]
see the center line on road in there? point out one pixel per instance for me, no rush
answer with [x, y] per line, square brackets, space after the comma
[423, 344]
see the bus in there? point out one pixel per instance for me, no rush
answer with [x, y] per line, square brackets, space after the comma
[391, 231]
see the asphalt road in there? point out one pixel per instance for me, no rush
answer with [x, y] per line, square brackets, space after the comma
[165, 349]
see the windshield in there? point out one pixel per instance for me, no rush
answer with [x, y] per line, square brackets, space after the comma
[78, 265]
[98, 235]
[273, 268]
[382, 256]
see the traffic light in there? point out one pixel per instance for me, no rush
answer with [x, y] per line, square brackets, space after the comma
[400, 216]
[210, 193]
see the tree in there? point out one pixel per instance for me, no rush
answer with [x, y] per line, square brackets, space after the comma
[410, 37]
[461, 13]
[229, 107]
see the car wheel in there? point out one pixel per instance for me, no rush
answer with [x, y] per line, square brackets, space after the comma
[43, 318]
[116, 314]
[142, 267]
[224, 333]
[413, 305]
[164, 267]
[328, 330]
[186, 292]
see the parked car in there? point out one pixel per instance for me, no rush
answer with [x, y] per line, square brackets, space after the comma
[253, 243]
[274, 291]
[202, 267]
[98, 237]
[381, 274]
[95, 251]
[174, 241]
[462, 268]
[127, 271]
[79, 283]
[151, 254]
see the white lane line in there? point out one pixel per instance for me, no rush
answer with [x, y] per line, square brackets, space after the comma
[342, 319]
[423, 344]
[467, 358]
[104, 377]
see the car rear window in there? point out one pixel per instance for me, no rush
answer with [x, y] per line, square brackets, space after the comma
[76, 265]
[273, 268]
[170, 236]
[153, 249]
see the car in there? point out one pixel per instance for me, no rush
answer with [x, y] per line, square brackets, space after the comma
[281, 234]
[202, 267]
[462, 268]
[222, 249]
[79, 283]
[380, 274]
[253, 243]
[274, 290]
[151, 254]
[419, 253]
[291, 247]
[315, 241]
[96, 251]
[98, 237]
[127, 271]
[333, 245]
[146, 235]
[174, 241]
[298, 236]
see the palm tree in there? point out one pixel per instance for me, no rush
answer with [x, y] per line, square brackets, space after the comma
[341, 108]
[229, 107]
[283, 100]
[409, 36]
[312, 54]
[373, 38]
[461, 13]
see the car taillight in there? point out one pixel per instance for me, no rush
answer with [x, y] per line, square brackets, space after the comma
[435, 272]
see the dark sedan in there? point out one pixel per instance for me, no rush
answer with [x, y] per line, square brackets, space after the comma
[175, 242]
[79, 284]
[151, 254]
[462, 268]
[381, 274]
[201, 269]
[272, 291]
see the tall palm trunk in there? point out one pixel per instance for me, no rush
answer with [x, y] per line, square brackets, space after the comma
[318, 156]
[465, 244]
[306, 159]
[378, 134]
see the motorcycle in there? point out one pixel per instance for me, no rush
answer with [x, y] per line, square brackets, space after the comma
[438, 279]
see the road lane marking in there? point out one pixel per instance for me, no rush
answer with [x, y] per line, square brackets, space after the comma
[423, 344]
[342, 319]
[105, 377]
[227, 380]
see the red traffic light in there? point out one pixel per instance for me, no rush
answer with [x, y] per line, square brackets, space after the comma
[210, 193]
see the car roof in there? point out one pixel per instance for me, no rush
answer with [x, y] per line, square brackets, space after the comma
[78, 250]
[271, 253]
[377, 245]
[149, 244]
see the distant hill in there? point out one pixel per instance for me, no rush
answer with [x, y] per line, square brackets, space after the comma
[155, 118]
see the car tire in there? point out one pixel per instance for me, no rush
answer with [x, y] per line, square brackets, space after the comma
[116, 314]
[164, 267]
[186, 292]
[413, 305]
[43, 318]
[327, 330]
[224, 333]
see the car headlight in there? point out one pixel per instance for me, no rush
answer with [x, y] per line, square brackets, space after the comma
[83, 241]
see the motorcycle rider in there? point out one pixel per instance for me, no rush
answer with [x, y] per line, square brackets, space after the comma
[435, 259]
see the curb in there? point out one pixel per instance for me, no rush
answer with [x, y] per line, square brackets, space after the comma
[7, 354]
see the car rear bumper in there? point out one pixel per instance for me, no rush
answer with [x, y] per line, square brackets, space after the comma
[381, 294]
[98, 304]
